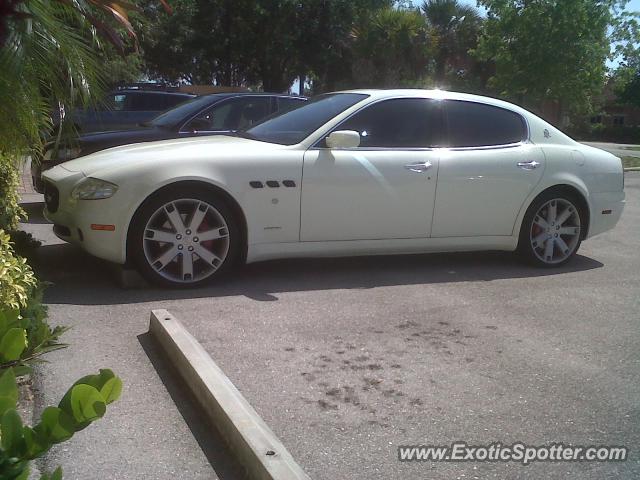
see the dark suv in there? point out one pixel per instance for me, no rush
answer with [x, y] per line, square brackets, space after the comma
[206, 115]
[125, 108]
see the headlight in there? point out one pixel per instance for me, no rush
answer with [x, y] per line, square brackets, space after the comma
[64, 154]
[93, 189]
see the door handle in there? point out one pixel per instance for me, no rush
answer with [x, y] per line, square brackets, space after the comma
[530, 165]
[418, 167]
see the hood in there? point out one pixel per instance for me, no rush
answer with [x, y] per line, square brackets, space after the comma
[165, 150]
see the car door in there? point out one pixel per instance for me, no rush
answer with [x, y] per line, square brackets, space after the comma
[486, 173]
[383, 189]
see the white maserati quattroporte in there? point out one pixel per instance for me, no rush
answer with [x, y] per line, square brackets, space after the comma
[350, 173]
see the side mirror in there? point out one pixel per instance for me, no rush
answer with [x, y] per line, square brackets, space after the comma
[343, 139]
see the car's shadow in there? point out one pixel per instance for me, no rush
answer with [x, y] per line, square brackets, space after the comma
[78, 278]
[34, 211]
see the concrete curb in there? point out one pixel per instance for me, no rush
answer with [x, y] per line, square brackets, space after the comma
[632, 169]
[250, 439]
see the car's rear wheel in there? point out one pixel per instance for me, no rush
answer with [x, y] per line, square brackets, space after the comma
[551, 231]
[184, 238]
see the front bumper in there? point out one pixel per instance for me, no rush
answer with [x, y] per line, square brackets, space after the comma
[73, 219]
[606, 210]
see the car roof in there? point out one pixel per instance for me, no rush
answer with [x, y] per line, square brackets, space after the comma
[151, 92]
[252, 94]
[436, 94]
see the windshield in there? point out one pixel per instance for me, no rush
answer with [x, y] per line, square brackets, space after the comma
[182, 112]
[294, 126]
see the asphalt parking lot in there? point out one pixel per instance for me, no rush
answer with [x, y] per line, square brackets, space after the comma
[346, 359]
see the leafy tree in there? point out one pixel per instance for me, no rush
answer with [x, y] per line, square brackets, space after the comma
[120, 69]
[171, 50]
[630, 93]
[391, 48]
[325, 40]
[265, 42]
[223, 42]
[457, 27]
[549, 50]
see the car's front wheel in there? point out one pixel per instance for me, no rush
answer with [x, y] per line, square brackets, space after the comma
[184, 237]
[551, 231]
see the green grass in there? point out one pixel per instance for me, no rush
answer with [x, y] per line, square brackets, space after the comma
[628, 162]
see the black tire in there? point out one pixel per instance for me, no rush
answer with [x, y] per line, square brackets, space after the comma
[532, 251]
[138, 245]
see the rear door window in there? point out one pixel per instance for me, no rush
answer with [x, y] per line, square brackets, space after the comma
[471, 124]
[148, 102]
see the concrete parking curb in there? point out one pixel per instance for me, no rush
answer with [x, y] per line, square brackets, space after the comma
[632, 169]
[250, 439]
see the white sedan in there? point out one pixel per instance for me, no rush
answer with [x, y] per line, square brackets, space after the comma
[350, 173]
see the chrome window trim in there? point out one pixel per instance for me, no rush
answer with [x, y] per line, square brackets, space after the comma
[425, 149]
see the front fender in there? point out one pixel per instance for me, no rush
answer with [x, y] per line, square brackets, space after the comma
[133, 198]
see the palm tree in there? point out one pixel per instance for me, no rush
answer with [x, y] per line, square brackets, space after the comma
[457, 27]
[391, 47]
[50, 57]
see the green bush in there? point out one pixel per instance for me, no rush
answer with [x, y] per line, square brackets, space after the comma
[85, 402]
[24, 244]
[10, 211]
[16, 277]
[25, 334]
[605, 133]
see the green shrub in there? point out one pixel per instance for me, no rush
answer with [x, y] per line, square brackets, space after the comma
[25, 334]
[85, 402]
[24, 244]
[10, 211]
[605, 133]
[16, 277]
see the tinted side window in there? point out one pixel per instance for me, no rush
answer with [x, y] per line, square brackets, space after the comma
[173, 100]
[400, 123]
[478, 125]
[232, 114]
[147, 102]
[115, 102]
[288, 104]
[246, 112]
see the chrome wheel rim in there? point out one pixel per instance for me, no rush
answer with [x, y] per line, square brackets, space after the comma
[555, 231]
[186, 240]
